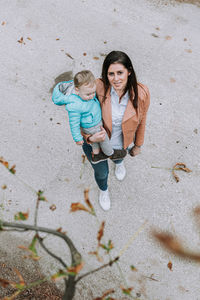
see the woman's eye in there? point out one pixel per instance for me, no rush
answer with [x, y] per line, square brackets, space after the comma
[120, 72]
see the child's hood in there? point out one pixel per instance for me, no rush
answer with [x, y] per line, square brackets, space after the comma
[63, 93]
[67, 88]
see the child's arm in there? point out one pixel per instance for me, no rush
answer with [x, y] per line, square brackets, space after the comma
[74, 122]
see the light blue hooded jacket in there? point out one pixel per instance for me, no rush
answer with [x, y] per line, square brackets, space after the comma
[82, 113]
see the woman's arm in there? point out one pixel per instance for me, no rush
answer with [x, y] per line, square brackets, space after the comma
[139, 135]
[95, 138]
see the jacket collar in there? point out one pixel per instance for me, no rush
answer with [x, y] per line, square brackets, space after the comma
[107, 110]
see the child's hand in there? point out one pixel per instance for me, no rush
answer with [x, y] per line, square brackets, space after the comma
[79, 143]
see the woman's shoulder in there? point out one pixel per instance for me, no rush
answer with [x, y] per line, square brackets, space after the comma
[143, 91]
[143, 95]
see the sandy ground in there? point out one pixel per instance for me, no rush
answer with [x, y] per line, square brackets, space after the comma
[40, 40]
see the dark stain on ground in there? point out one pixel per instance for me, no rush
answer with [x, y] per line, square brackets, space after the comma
[62, 77]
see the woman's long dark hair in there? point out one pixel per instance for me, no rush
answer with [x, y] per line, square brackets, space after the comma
[121, 58]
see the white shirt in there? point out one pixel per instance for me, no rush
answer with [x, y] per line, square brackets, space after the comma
[118, 110]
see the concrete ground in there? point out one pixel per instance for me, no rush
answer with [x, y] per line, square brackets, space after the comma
[41, 40]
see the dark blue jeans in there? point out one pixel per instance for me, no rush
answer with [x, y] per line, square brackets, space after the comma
[101, 169]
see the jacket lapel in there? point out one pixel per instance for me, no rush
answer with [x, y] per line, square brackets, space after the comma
[107, 112]
[129, 112]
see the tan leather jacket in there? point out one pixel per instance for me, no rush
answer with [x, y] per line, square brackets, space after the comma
[134, 120]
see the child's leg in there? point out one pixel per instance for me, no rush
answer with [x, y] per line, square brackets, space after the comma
[107, 149]
[95, 148]
[106, 146]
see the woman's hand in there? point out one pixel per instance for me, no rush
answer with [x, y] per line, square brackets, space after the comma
[98, 136]
[135, 150]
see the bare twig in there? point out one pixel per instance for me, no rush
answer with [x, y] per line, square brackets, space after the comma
[18, 230]
[109, 264]
[70, 283]
[75, 255]
[50, 253]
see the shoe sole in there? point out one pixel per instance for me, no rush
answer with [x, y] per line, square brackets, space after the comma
[96, 162]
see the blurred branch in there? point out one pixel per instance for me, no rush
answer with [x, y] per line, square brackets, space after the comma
[50, 253]
[75, 255]
[109, 264]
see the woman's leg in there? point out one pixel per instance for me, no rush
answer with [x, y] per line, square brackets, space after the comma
[120, 170]
[100, 170]
[119, 161]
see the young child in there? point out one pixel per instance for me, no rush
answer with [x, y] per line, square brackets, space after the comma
[84, 111]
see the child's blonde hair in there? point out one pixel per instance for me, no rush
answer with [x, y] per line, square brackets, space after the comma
[83, 77]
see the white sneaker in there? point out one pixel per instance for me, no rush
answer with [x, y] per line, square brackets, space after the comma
[104, 199]
[120, 171]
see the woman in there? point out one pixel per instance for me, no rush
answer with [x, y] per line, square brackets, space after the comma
[124, 104]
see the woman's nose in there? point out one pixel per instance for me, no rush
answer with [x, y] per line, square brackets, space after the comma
[116, 77]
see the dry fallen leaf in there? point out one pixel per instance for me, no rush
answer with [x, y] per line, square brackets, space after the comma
[169, 265]
[157, 28]
[96, 57]
[188, 50]
[21, 41]
[21, 279]
[21, 216]
[60, 230]
[4, 282]
[5, 163]
[106, 293]
[195, 130]
[3, 23]
[100, 232]
[28, 38]
[154, 35]
[175, 176]
[133, 268]
[87, 201]
[76, 269]
[171, 243]
[52, 207]
[126, 291]
[172, 80]
[179, 166]
[96, 253]
[185, 39]
[59, 275]
[4, 187]
[69, 55]
[84, 54]
[197, 210]
[78, 206]
[57, 39]
[168, 37]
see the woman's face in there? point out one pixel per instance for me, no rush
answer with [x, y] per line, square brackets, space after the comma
[118, 76]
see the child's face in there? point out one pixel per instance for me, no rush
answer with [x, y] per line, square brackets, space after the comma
[86, 92]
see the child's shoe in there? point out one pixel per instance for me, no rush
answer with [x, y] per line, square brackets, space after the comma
[118, 154]
[96, 158]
